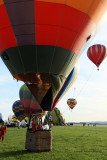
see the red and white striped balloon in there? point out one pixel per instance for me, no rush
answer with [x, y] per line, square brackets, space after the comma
[96, 54]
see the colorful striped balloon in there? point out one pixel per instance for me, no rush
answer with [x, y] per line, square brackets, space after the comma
[68, 83]
[71, 102]
[29, 102]
[57, 117]
[18, 110]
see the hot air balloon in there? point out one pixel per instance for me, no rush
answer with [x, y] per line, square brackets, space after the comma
[71, 102]
[18, 110]
[14, 119]
[40, 41]
[1, 118]
[96, 54]
[29, 102]
[57, 117]
[68, 83]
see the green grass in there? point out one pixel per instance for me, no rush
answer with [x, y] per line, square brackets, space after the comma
[69, 143]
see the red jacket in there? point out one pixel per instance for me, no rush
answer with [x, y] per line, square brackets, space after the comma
[33, 126]
[39, 126]
[3, 129]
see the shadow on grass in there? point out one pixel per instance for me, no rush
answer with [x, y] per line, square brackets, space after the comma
[14, 153]
[18, 153]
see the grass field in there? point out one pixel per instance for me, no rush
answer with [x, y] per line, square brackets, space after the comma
[69, 143]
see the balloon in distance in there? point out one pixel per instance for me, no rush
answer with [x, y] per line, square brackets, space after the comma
[1, 118]
[29, 102]
[18, 110]
[57, 117]
[71, 102]
[97, 53]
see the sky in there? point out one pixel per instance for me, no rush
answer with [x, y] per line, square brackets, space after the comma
[89, 89]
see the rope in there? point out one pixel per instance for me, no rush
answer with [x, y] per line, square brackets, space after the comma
[84, 84]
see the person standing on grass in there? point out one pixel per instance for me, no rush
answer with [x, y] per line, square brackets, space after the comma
[3, 130]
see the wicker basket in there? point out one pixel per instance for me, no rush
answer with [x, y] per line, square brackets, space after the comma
[39, 141]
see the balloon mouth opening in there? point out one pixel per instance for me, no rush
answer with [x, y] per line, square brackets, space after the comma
[34, 78]
[97, 68]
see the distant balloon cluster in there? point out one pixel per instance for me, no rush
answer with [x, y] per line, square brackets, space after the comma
[27, 105]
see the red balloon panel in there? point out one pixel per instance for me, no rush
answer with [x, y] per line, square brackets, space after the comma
[7, 38]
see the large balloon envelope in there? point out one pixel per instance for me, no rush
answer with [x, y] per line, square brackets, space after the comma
[71, 102]
[40, 40]
[31, 105]
[97, 53]
[18, 110]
